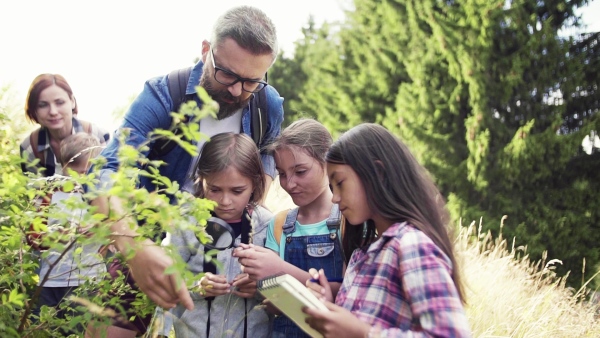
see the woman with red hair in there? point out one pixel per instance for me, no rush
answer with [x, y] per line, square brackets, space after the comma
[51, 104]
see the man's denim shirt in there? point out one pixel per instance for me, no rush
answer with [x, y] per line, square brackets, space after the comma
[152, 110]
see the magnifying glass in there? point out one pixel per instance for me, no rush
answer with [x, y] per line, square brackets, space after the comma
[221, 232]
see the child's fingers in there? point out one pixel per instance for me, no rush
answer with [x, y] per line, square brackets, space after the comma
[243, 280]
[246, 291]
[272, 309]
[209, 277]
[241, 247]
[333, 307]
[314, 313]
[239, 278]
[323, 279]
[219, 286]
[214, 283]
[316, 290]
[244, 254]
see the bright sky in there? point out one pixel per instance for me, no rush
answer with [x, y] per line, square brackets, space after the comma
[107, 49]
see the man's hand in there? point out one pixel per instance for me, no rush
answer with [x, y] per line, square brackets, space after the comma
[149, 262]
[148, 268]
[258, 262]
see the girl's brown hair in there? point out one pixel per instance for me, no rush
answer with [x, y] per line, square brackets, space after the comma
[229, 149]
[306, 134]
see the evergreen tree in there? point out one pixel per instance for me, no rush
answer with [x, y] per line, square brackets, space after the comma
[493, 101]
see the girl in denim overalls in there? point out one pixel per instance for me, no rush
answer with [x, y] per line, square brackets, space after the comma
[307, 236]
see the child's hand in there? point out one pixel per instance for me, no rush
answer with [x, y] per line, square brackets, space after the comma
[338, 322]
[322, 289]
[244, 286]
[270, 308]
[258, 262]
[212, 285]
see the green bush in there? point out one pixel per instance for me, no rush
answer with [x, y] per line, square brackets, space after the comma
[95, 299]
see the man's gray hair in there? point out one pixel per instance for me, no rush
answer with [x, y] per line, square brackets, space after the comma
[250, 27]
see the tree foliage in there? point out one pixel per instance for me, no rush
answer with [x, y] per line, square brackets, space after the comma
[491, 97]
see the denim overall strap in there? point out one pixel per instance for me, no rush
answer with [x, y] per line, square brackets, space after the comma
[334, 221]
[289, 227]
[315, 251]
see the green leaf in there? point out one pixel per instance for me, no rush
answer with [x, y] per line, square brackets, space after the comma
[68, 186]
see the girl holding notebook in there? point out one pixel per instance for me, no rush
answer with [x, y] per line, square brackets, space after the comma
[230, 173]
[306, 236]
[403, 278]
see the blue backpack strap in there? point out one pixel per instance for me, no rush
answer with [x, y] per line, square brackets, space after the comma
[177, 83]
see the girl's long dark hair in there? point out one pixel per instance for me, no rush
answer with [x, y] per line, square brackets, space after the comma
[397, 187]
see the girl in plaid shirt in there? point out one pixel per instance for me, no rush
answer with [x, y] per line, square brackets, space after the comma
[402, 279]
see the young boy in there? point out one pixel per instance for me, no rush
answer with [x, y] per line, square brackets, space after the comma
[59, 278]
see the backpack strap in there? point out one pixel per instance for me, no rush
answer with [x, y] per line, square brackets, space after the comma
[278, 226]
[80, 124]
[177, 84]
[87, 127]
[34, 140]
[258, 111]
[177, 81]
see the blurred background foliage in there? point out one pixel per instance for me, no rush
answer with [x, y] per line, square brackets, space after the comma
[492, 96]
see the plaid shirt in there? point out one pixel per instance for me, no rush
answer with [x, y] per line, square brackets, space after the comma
[51, 163]
[402, 285]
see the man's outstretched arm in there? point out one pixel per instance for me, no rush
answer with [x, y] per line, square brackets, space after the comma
[149, 262]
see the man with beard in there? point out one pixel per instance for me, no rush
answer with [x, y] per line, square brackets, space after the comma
[233, 67]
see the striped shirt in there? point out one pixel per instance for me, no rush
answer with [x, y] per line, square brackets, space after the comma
[402, 286]
[51, 163]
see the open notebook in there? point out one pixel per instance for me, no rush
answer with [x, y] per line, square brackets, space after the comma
[290, 296]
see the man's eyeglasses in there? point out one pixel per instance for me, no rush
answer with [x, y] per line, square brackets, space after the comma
[228, 78]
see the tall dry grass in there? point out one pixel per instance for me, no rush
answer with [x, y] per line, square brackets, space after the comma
[507, 297]
[510, 297]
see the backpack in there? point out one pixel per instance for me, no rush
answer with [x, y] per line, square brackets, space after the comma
[177, 83]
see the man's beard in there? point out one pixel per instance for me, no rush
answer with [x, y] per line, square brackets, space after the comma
[225, 109]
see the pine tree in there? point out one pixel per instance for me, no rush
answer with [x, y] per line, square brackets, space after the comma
[489, 96]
